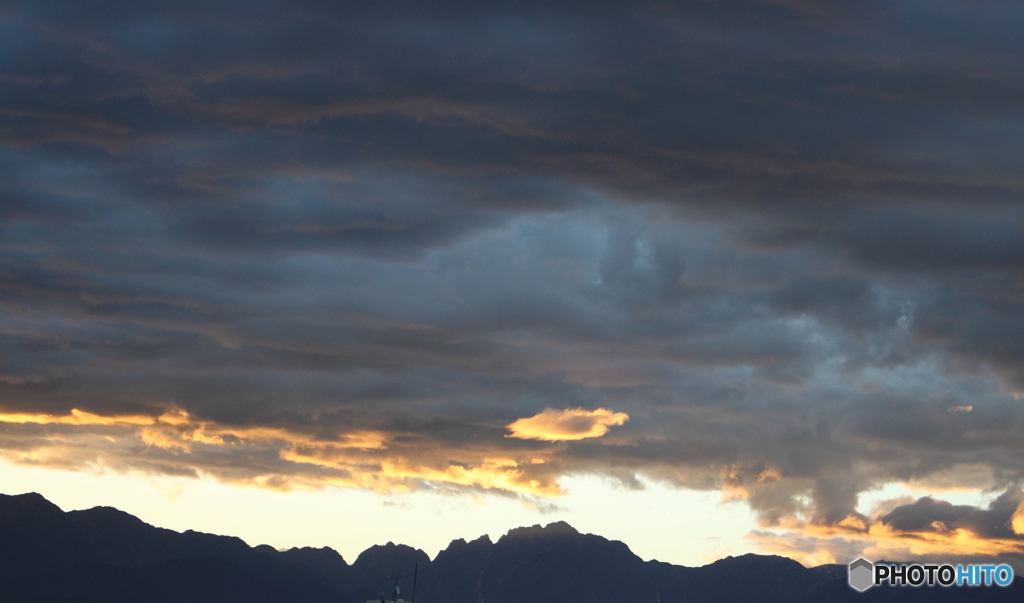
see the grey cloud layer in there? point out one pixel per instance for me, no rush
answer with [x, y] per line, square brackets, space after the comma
[785, 238]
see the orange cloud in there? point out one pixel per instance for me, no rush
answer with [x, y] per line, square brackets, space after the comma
[1017, 521]
[76, 417]
[569, 424]
[815, 544]
[272, 457]
[176, 429]
[490, 474]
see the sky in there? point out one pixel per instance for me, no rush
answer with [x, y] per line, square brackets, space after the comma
[708, 277]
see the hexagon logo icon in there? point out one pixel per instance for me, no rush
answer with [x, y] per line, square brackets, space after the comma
[861, 574]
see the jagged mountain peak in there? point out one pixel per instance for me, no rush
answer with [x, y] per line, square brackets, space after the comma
[377, 564]
[558, 528]
[753, 558]
[460, 544]
[30, 501]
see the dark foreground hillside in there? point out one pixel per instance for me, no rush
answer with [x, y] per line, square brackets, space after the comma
[103, 555]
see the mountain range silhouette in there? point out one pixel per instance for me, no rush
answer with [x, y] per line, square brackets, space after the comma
[103, 555]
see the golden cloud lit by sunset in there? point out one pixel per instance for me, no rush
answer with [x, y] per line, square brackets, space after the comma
[1017, 521]
[569, 424]
[816, 544]
[77, 417]
[176, 441]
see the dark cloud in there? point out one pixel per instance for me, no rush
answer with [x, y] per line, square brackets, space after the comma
[930, 515]
[335, 243]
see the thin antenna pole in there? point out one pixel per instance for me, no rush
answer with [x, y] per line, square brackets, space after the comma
[415, 574]
[394, 593]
